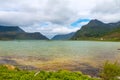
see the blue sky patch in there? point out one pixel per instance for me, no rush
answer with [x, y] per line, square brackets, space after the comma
[77, 23]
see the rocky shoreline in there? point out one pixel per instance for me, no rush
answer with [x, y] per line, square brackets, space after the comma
[86, 68]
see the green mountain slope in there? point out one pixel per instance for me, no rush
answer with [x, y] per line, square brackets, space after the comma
[14, 32]
[96, 30]
[113, 35]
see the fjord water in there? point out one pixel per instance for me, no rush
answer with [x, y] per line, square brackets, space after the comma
[59, 54]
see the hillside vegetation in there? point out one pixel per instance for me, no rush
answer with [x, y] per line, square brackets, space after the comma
[97, 30]
[16, 33]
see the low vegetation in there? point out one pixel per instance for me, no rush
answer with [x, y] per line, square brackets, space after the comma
[110, 71]
[11, 73]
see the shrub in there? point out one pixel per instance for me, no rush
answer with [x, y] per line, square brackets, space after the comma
[110, 71]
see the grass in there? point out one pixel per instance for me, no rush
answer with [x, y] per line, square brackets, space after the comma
[10, 73]
[110, 71]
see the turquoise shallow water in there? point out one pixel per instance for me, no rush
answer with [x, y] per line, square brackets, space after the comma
[61, 49]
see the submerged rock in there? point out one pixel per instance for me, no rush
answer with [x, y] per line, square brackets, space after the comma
[118, 49]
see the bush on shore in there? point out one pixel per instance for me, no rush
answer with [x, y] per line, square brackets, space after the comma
[110, 71]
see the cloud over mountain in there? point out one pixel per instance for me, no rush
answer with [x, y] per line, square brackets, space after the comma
[57, 14]
[107, 10]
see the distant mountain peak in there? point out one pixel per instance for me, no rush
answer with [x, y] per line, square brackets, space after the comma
[14, 29]
[95, 21]
[15, 32]
[64, 36]
[96, 29]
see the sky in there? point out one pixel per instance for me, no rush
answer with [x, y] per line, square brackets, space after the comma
[52, 17]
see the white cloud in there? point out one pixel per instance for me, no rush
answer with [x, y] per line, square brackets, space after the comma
[50, 29]
[59, 14]
[107, 10]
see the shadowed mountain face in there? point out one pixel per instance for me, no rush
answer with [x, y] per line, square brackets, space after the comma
[63, 37]
[14, 32]
[96, 30]
[12, 29]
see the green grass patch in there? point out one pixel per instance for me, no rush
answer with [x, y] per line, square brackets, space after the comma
[16, 74]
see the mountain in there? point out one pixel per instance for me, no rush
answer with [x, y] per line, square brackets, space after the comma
[114, 35]
[63, 37]
[13, 29]
[96, 30]
[31, 36]
[14, 32]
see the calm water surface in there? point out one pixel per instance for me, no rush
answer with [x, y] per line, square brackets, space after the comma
[56, 53]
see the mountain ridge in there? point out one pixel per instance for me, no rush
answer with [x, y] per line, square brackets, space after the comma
[95, 30]
[63, 37]
[15, 32]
